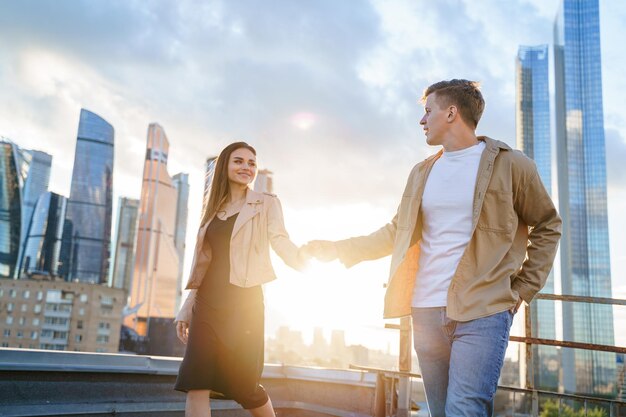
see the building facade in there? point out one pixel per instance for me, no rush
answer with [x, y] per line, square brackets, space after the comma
[35, 185]
[154, 286]
[87, 234]
[581, 170]
[42, 247]
[59, 315]
[125, 239]
[10, 207]
[181, 183]
[534, 139]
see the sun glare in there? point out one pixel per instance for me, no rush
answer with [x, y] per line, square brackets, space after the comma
[303, 120]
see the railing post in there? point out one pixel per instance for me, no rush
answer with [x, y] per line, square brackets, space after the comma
[530, 368]
[404, 365]
[380, 401]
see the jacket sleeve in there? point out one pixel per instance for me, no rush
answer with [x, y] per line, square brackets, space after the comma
[184, 314]
[535, 208]
[373, 246]
[278, 236]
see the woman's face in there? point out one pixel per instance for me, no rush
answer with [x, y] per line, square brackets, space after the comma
[241, 167]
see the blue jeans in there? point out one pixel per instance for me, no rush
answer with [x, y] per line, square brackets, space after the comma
[460, 361]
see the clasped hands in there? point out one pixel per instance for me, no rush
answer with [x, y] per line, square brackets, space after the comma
[322, 250]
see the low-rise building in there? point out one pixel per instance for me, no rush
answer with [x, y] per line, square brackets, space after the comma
[60, 315]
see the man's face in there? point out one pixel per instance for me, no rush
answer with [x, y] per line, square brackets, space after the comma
[435, 120]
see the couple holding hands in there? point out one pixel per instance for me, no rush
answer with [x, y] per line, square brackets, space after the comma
[474, 236]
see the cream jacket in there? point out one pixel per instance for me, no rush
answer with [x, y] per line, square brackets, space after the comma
[515, 233]
[259, 224]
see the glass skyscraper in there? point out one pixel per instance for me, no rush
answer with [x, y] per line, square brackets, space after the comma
[181, 183]
[585, 261]
[35, 185]
[11, 182]
[533, 138]
[87, 234]
[43, 244]
[153, 289]
[126, 236]
[264, 183]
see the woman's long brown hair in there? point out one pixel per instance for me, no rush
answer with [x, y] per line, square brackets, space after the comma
[220, 189]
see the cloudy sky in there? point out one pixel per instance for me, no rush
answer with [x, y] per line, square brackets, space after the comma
[327, 91]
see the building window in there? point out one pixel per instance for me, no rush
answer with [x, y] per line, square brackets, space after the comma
[78, 338]
[9, 319]
[12, 293]
[39, 295]
[7, 332]
[36, 321]
[26, 294]
[5, 344]
[81, 311]
[21, 321]
[106, 301]
[79, 324]
[33, 335]
[83, 298]
[37, 308]
[20, 334]
[24, 308]
[9, 307]
[104, 325]
[102, 339]
[1, 292]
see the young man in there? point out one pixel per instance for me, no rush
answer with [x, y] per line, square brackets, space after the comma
[475, 235]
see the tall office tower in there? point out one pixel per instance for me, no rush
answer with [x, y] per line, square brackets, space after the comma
[585, 261]
[181, 183]
[533, 138]
[209, 170]
[35, 185]
[153, 290]
[43, 243]
[87, 236]
[12, 174]
[264, 182]
[126, 236]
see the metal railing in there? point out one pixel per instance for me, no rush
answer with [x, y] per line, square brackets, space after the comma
[393, 387]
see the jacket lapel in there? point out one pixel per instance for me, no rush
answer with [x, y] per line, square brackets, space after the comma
[251, 208]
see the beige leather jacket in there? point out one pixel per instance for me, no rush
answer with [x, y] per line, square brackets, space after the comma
[515, 233]
[259, 224]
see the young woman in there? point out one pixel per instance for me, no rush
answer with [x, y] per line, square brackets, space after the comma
[222, 320]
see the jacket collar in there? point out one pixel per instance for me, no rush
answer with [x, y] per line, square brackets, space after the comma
[493, 144]
[251, 207]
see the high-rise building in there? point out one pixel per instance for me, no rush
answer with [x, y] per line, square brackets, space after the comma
[581, 170]
[12, 177]
[209, 170]
[35, 185]
[43, 243]
[181, 183]
[533, 138]
[126, 236]
[87, 235]
[264, 182]
[25, 176]
[153, 290]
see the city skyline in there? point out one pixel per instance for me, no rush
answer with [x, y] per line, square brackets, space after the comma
[349, 104]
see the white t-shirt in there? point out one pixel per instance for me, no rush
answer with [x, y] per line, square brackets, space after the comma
[446, 223]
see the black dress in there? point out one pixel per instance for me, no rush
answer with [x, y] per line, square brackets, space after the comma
[225, 350]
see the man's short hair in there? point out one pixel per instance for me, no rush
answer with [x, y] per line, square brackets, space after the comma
[463, 94]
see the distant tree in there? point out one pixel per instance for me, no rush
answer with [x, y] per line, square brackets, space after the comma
[551, 409]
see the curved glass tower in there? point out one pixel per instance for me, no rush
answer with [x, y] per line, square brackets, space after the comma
[11, 182]
[43, 244]
[585, 260]
[87, 229]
